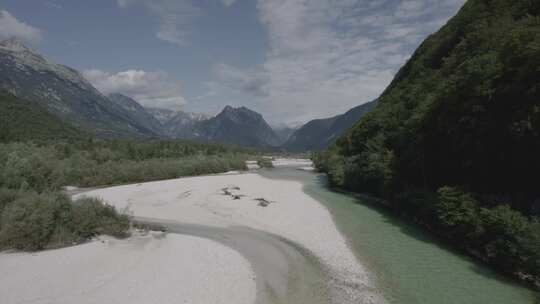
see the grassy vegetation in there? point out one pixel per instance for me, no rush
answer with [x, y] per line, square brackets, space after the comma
[35, 215]
[454, 142]
[265, 162]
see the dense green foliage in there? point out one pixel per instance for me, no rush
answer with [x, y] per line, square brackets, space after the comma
[23, 120]
[36, 221]
[265, 162]
[92, 163]
[35, 215]
[455, 139]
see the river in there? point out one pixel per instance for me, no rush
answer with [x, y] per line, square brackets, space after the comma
[409, 266]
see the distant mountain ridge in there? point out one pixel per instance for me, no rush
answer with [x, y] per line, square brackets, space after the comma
[64, 92]
[137, 113]
[162, 115]
[284, 132]
[319, 134]
[183, 124]
[240, 126]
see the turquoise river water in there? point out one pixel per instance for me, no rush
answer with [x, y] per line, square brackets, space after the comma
[408, 265]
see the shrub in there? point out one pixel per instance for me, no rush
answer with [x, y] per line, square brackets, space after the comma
[458, 212]
[37, 221]
[265, 162]
[501, 235]
[28, 222]
[510, 238]
[6, 196]
[91, 217]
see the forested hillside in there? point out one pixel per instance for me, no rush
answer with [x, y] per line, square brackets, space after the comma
[22, 120]
[454, 142]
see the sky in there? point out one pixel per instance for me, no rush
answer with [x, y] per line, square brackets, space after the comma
[291, 60]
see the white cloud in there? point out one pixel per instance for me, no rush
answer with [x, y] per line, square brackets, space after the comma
[175, 17]
[154, 89]
[11, 27]
[51, 4]
[253, 82]
[327, 56]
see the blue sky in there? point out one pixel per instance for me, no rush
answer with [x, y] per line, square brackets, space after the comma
[292, 60]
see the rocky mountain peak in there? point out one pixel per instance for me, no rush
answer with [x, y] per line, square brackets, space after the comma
[228, 108]
[17, 49]
[15, 45]
[64, 92]
[23, 58]
[241, 114]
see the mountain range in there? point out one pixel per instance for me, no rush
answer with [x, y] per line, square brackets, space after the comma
[240, 126]
[137, 113]
[319, 134]
[182, 124]
[66, 94]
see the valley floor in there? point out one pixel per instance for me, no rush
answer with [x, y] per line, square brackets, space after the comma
[285, 249]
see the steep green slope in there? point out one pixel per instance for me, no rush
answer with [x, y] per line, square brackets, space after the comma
[22, 120]
[455, 140]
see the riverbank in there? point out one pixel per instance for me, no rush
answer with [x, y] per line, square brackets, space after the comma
[250, 200]
[134, 270]
[284, 271]
[453, 245]
[410, 266]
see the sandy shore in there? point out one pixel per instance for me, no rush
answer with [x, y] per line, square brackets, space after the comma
[304, 164]
[252, 165]
[154, 268]
[236, 200]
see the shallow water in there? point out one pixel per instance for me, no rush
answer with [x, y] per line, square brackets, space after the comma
[285, 273]
[409, 266]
